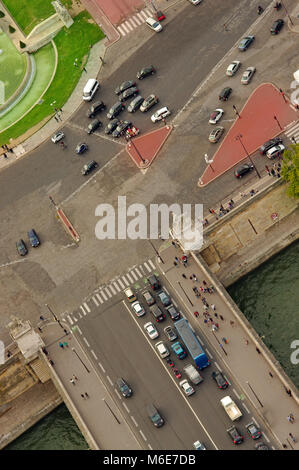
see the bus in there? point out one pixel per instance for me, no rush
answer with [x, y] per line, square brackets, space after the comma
[192, 344]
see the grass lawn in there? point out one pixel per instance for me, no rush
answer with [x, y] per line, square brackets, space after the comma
[72, 43]
[12, 66]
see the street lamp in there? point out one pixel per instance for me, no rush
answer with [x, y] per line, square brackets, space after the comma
[74, 351]
[254, 394]
[209, 162]
[275, 118]
[236, 111]
[185, 293]
[156, 251]
[130, 141]
[239, 138]
[287, 13]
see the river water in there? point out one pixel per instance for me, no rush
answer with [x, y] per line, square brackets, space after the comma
[269, 297]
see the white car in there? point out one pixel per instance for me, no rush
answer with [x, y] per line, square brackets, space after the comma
[247, 75]
[275, 151]
[151, 330]
[216, 116]
[197, 445]
[160, 114]
[154, 24]
[233, 68]
[57, 137]
[195, 2]
[188, 390]
[138, 309]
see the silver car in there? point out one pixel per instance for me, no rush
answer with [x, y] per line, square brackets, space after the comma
[247, 75]
[148, 103]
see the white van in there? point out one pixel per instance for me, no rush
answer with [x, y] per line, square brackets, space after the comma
[90, 89]
[154, 24]
[162, 349]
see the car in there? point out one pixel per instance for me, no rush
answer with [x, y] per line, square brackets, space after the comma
[124, 86]
[162, 350]
[243, 170]
[111, 126]
[220, 380]
[160, 114]
[216, 134]
[150, 101]
[33, 238]
[233, 432]
[157, 313]
[133, 91]
[57, 137]
[135, 104]
[197, 445]
[216, 116]
[89, 167]
[173, 313]
[151, 330]
[21, 247]
[225, 93]
[130, 295]
[121, 128]
[153, 24]
[195, 2]
[269, 144]
[154, 282]
[115, 110]
[81, 148]
[253, 431]
[179, 350]
[155, 416]
[261, 446]
[187, 388]
[124, 388]
[247, 75]
[96, 108]
[93, 126]
[165, 299]
[148, 298]
[170, 333]
[276, 27]
[160, 15]
[245, 43]
[233, 68]
[145, 72]
[275, 151]
[138, 309]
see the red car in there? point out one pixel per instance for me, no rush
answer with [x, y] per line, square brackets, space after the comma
[160, 16]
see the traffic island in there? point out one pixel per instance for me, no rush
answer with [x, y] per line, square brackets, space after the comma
[143, 150]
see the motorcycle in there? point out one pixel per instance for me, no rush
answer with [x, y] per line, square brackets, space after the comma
[170, 362]
[260, 10]
[177, 373]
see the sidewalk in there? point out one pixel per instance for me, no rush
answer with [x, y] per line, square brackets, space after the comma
[249, 367]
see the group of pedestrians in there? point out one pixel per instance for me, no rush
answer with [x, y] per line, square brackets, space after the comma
[58, 114]
[74, 379]
[274, 171]
[5, 148]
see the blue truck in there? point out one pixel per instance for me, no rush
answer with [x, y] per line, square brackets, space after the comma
[192, 344]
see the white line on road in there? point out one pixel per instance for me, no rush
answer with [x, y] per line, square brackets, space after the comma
[116, 286]
[266, 437]
[134, 421]
[108, 292]
[126, 408]
[109, 380]
[199, 339]
[117, 393]
[244, 406]
[12, 262]
[95, 301]
[112, 289]
[100, 298]
[143, 436]
[152, 264]
[70, 320]
[138, 272]
[87, 307]
[174, 303]
[130, 278]
[94, 354]
[208, 353]
[84, 313]
[147, 267]
[86, 342]
[120, 283]
[125, 280]
[104, 295]
[78, 329]
[149, 446]
[134, 275]
[104, 370]
[79, 314]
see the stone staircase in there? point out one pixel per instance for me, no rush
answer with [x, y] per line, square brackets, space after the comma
[41, 369]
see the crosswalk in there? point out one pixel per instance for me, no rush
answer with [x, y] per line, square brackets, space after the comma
[134, 21]
[293, 132]
[106, 292]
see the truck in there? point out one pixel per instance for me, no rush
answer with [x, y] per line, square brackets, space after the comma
[192, 344]
[231, 408]
[193, 374]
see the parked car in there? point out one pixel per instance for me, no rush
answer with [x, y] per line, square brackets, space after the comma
[187, 388]
[89, 167]
[225, 94]
[173, 313]
[121, 128]
[154, 282]
[133, 91]
[216, 134]
[148, 298]
[115, 110]
[170, 333]
[216, 116]
[253, 431]
[245, 43]
[235, 435]
[160, 114]
[57, 137]
[111, 126]
[93, 126]
[275, 151]
[124, 86]
[21, 247]
[138, 309]
[195, 2]
[162, 349]
[233, 68]
[198, 446]
[157, 313]
[154, 24]
[124, 388]
[220, 380]
[269, 144]
[95, 108]
[145, 72]
[243, 170]
[160, 15]
[247, 75]
[276, 27]
[165, 299]
[131, 297]
[151, 330]
[81, 148]
[150, 101]
[179, 350]
[135, 104]
[33, 238]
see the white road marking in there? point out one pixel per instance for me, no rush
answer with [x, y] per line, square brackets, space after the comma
[116, 286]
[244, 406]
[149, 446]
[147, 267]
[112, 289]
[143, 436]
[134, 275]
[86, 342]
[266, 437]
[152, 264]
[84, 313]
[94, 354]
[87, 307]
[125, 280]
[95, 301]
[100, 298]
[132, 22]
[209, 354]
[130, 278]
[70, 320]
[108, 292]
[79, 314]
[126, 408]
[120, 29]
[121, 284]
[78, 329]
[104, 295]
[102, 367]
[12, 262]
[128, 25]
[117, 393]
[134, 421]
[109, 380]
[125, 28]
[138, 272]
[199, 339]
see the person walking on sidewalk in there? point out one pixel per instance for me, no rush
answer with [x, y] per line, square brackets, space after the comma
[213, 307]
[72, 381]
[83, 396]
[61, 345]
[86, 395]
[292, 437]
[75, 377]
[184, 276]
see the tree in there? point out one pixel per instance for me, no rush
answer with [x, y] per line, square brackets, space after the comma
[290, 170]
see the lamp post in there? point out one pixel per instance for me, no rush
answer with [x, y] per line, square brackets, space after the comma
[287, 13]
[236, 111]
[155, 250]
[275, 118]
[185, 293]
[209, 162]
[239, 138]
[130, 142]
[254, 394]
[74, 351]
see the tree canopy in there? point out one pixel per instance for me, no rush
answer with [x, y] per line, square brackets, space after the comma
[290, 170]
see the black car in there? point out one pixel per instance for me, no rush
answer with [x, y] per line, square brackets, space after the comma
[121, 128]
[111, 126]
[253, 431]
[157, 313]
[243, 170]
[154, 282]
[93, 126]
[81, 148]
[173, 313]
[276, 27]
[269, 144]
[115, 110]
[133, 91]
[220, 380]
[237, 438]
[21, 247]
[33, 238]
[96, 108]
[124, 388]
[154, 416]
[225, 93]
[124, 86]
[261, 446]
[135, 104]
[145, 72]
[89, 167]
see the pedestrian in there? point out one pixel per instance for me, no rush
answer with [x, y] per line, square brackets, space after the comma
[221, 317]
[246, 342]
[41, 318]
[196, 314]
[8, 353]
[272, 172]
[61, 110]
[271, 375]
[191, 278]
[61, 345]
[243, 194]
[56, 118]
[225, 27]
[213, 307]
[66, 344]
[212, 289]
[175, 263]
[39, 329]
[51, 362]
[279, 166]
[289, 392]
[289, 418]
[75, 377]
[102, 60]
[84, 69]
[257, 350]
[267, 169]
[75, 64]
[173, 243]
[65, 331]
[86, 394]
[9, 149]
[292, 437]
[205, 321]
[4, 155]
[194, 277]
[284, 446]
[232, 202]
[214, 328]
[82, 396]
[72, 381]
[56, 110]
[176, 258]
[206, 222]
[184, 276]
[216, 315]
[293, 140]
[232, 323]
[278, 174]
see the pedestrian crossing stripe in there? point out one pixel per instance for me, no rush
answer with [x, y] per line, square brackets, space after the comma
[152, 264]
[108, 292]
[86, 306]
[95, 301]
[121, 284]
[130, 278]
[70, 320]
[112, 289]
[104, 295]
[100, 298]
[134, 275]
[134, 22]
[138, 272]
[116, 286]
[84, 313]
[147, 267]
[125, 280]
